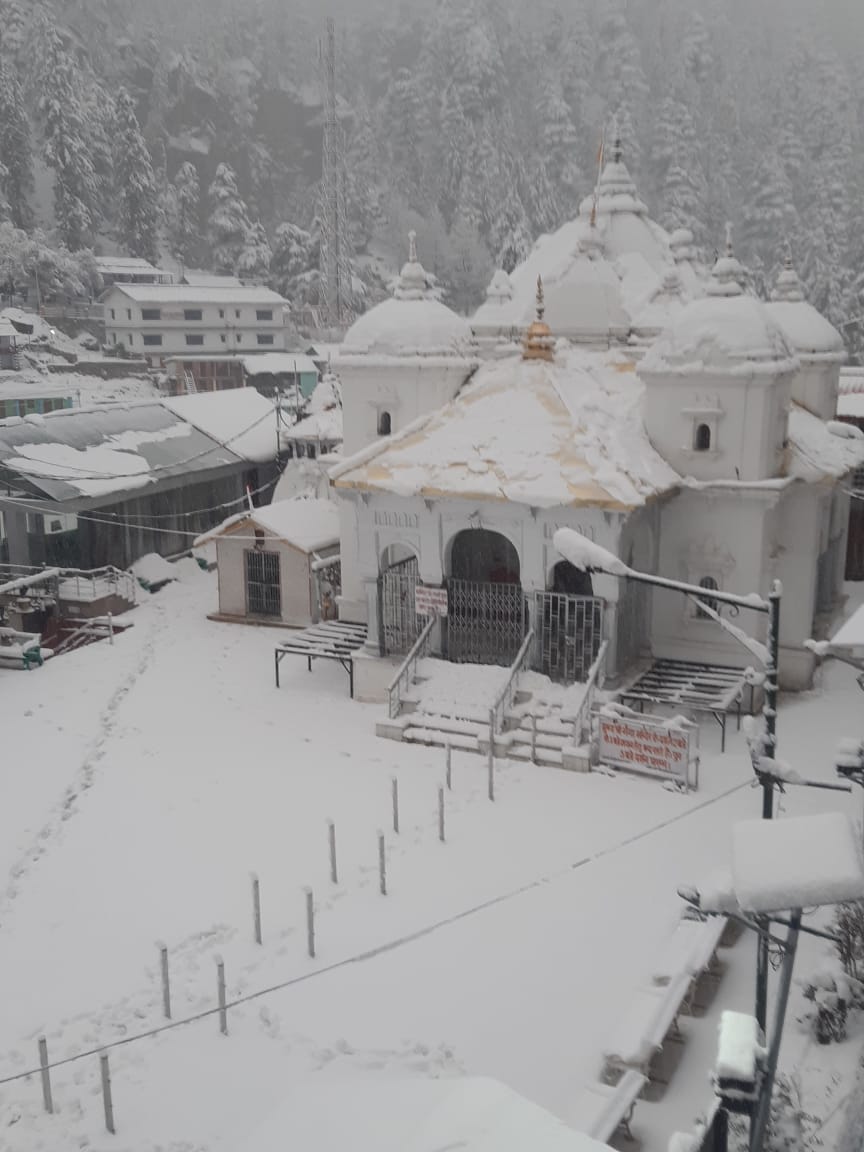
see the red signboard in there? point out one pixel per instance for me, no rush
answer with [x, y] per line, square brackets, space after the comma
[648, 745]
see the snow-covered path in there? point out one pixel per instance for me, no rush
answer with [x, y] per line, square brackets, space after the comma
[506, 951]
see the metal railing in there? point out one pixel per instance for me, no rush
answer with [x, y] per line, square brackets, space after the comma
[83, 586]
[504, 700]
[596, 675]
[404, 678]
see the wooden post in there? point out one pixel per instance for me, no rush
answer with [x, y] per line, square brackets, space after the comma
[491, 754]
[441, 815]
[256, 908]
[395, 805]
[107, 1099]
[449, 769]
[533, 738]
[166, 987]
[46, 1075]
[331, 832]
[310, 923]
[220, 985]
[110, 629]
[382, 865]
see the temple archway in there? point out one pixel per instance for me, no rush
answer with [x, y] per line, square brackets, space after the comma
[568, 580]
[484, 557]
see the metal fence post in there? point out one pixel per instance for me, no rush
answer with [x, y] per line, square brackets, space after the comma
[331, 834]
[382, 865]
[46, 1075]
[310, 923]
[441, 815]
[395, 805]
[107, 1098]
[166, 987]
[256, 908]
[220, 986]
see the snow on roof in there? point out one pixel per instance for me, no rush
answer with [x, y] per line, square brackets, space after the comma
[196, 279]
[213, 293]
[851, 634]
[726, 335]
[240, 418]
[800, 862]
[818, 449]
[107, 449]
[7, 328]
[115, 264]
[807, 331]
[91, 389]
[408, 328]
[306, 524]
[279, 363]
[326, 426]
[384, 1114]
[546, 435]
[851, 404]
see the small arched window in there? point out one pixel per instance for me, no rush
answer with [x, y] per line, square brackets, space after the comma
[702, 439]
[710, 585]
[383, 423]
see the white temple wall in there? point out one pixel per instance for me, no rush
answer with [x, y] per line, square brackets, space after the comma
[816, 386]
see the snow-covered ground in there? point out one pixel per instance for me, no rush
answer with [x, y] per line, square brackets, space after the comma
[142, 783]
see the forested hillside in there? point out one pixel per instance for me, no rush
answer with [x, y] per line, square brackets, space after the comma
[195, 125]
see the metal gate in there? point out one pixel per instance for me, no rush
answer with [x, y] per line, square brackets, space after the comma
[569, 632]
[486, 623]
[397, 615]
[263, 584]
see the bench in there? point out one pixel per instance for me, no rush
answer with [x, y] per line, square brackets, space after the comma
[690, 951]
[643, 1031]
[329, 640]
[601, 1109]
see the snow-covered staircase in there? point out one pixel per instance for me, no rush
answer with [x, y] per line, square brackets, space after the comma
[450, 704]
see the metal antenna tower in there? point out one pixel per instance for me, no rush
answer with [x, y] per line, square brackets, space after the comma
[335, 294]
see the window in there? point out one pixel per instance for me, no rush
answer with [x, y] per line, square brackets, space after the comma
[113, 316]
[263, 584]
[192, 314]
[236, 313]
[221, 313]
[238, 337]
[710, 585]
[151, 313]
[702, 439]
[194, 340]
[310, 451]
[264, 339]
[383, 423]
[131, 339]
[128, 313]
[152, 340]
[263, 313]
[223, 338]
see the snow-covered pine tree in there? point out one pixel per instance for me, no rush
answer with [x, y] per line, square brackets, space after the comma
[17, 181]
[184, 215]
[228, 224]
[292, 259]
[770, 220]
[67, 140]
[676, 169]
[403, 110]
[561, 146]
[136, 191]
[254, 262]
[100, 113]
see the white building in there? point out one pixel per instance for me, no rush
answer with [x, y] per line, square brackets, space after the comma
[680, 423]
[162, 320]
[130, 270]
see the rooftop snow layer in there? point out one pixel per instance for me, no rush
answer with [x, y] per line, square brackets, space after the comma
[818, 449]
[307, 524]
[408, 327]
[546, 435]
[325, 425]
[424, 1115]
[807, 330]
[738, 1048]
[800, 862]
[240, 418]
[210, 293]
[279, 363]
[727, 335]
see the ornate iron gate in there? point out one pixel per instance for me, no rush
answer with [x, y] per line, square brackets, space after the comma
[486, 623]
[569, 632]
[397, 616]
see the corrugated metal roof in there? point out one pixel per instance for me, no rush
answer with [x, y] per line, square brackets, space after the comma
[193, 294]
[109, 450]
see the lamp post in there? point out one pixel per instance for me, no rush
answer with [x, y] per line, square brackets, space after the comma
[585, 554]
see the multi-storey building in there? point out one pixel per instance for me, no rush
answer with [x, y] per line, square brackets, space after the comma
[162, 320]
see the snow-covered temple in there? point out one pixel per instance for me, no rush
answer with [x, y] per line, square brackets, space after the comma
[661, 410]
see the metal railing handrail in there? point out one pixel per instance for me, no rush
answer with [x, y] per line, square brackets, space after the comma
[580, 722]
[505, 697]
[408, 668]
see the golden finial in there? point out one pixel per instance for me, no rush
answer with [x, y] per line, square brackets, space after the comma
[537, 344]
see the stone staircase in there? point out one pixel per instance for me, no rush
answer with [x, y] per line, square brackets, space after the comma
[450, 704]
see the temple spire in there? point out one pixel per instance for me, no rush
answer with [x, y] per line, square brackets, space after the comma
[728, 276]
[537, 344]
[413, 282]
[788, 286]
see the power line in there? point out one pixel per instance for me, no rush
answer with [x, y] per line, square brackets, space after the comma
[131, 475]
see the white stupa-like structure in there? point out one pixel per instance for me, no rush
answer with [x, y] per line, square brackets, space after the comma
[611, 275]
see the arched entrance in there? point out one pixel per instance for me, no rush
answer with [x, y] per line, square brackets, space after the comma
[568, 621]
[486, 607]
[399, 575]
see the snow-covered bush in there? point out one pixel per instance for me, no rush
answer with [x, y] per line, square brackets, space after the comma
[848, 927]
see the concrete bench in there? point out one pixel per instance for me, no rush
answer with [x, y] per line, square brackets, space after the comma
[643, 1031]
[690, 951]
[601, 1109]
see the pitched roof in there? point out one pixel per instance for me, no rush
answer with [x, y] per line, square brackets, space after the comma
[193, 294]
[308, 525]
